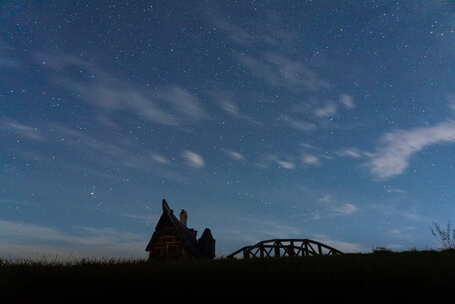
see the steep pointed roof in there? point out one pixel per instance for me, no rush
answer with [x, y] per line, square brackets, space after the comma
[206, 235]
[186, 235]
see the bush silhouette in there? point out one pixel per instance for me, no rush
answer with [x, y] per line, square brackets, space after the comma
[445, 236]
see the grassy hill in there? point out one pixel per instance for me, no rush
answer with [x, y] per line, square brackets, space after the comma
[416, 269]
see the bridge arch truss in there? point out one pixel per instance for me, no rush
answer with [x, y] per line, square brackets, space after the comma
[285, 248]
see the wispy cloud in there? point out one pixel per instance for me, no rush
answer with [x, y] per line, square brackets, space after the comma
[353, 153]
[169, 105]
[234, 155]
[298, 124]
[347, 101]
[118, 153]
[310, 159]
[234, 32]
[345, 209]
[328, 110]
[281, 71]
[396, 148]
[343, 246]
[160, 159]
[126, 155]
[282, 161]
[288, 161]
[402, 233]
[225, 101]
[286, 164]
[308, 146]
[269, 33]
[193, 159]
[326, 198]
[271, 229]
[21, 130]
[30, 240]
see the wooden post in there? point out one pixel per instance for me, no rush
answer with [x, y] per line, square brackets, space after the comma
[291, 249]
[277, 251]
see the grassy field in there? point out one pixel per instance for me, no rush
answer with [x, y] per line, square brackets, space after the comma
[416, 269]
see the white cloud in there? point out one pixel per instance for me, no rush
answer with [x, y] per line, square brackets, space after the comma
[350, 152]
[326, 111]
[234, 32]
[286, 164]
[301, 125]
[122, 152]
[193, 159]
[225, 102]
[402, 233]
[20, 129]
[390, 189]
[326, 198]
[182, 101]
[230, 107]
[310, 159]
[343, 246]
[347, 101]
[112, 97]
[161, 159]
[308, 146]
[345, 209]
[397, 147]
[234, 155]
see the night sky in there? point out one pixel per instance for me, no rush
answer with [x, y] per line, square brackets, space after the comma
[329, 120]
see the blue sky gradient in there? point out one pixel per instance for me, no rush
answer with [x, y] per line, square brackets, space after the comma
[329, 120]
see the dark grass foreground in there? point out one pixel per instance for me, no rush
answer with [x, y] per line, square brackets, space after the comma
[415, 269]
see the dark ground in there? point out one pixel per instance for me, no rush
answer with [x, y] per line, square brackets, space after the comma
[340, 276]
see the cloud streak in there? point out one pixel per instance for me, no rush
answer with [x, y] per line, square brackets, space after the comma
[21, 130]
[30, 240]
[345, 209]
[397, 148]
[193, 159]
[282, 71]
[234, 155]
[310, 160]
[169, 105]
[298, 124]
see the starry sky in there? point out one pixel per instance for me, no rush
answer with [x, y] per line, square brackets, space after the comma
[328, 120]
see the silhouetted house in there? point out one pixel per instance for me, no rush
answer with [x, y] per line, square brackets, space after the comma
[172, 238]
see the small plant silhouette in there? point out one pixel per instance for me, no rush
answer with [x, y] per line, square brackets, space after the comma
[446, 236]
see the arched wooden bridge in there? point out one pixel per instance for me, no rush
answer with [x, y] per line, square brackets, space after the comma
[285, 248]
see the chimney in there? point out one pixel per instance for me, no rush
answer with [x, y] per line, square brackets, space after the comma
[183, 217]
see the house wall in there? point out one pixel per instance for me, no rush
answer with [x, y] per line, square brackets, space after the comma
[168, 247]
